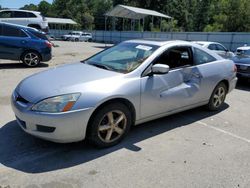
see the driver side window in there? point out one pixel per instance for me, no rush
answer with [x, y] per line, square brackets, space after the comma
[180, 56]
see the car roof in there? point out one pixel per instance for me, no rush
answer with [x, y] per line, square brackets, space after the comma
[160, 42]
[20, 10]
[205, 42]
[244, 48]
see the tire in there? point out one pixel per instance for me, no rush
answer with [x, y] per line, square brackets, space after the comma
[218, 97]
[103, 131]
[31, 59]
[76, 39]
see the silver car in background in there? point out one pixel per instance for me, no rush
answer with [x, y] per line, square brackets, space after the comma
[217, 48]
[128, 84]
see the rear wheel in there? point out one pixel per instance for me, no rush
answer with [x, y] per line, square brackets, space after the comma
[110, 125]
[31, 59]
[76, 39]
[218, 97]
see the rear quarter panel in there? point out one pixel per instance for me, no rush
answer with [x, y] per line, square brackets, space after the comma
[215, 72]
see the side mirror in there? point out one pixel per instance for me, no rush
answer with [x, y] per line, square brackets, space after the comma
[159, 69]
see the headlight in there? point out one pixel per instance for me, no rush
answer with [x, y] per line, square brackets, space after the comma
[62, 103]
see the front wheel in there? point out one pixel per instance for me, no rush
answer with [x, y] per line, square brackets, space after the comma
[218, 97]
[110, 125]
[31, 59]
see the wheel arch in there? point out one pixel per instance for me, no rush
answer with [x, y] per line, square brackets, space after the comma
[123, 101]
[226, 82]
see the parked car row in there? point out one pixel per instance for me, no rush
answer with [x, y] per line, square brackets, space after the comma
[77, 36]
[134, 82]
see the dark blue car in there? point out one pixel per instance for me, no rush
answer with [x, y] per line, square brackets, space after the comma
[242, 61]
[24, 43]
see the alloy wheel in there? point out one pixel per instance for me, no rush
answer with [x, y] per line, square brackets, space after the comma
[31, 59]
[219, 96]
[112, 126]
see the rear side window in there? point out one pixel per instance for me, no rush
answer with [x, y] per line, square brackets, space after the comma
[19, 14]
[5, 14]
[201, 57]
[9, 31]
[31, 15]
[39, 34]
[220, 47]
[212, 47]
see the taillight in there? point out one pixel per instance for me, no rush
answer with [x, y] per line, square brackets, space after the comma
[48, 44]
[235, 68]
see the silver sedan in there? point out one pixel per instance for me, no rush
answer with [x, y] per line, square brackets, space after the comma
[131, 83]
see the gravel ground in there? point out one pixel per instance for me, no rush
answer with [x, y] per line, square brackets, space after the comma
[195, 148]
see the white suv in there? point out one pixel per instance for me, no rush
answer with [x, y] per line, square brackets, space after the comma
[24, 17]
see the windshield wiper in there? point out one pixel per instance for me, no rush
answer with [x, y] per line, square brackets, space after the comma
[102, 66]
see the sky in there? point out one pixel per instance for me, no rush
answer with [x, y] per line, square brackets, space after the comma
[19, 3]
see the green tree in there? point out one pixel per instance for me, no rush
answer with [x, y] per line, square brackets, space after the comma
[45, 8]
[188, 15]
[30, 7]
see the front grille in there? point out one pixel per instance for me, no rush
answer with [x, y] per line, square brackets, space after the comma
[241, 69]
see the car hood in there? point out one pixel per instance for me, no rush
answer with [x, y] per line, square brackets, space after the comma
[241, 60]
[62, 80]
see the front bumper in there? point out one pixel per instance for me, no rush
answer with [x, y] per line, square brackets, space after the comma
[57, 127]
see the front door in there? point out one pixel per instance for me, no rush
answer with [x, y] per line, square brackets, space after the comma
[177, 89]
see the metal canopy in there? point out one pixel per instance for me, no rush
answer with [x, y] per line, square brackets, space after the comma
[60, 21]
[129, 12]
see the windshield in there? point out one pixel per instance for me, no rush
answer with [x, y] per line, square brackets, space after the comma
[243, 52]
[122, 58]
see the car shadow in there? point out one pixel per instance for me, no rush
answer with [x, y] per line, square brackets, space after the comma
[20, 66]
[28, 154]
[243, 84]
